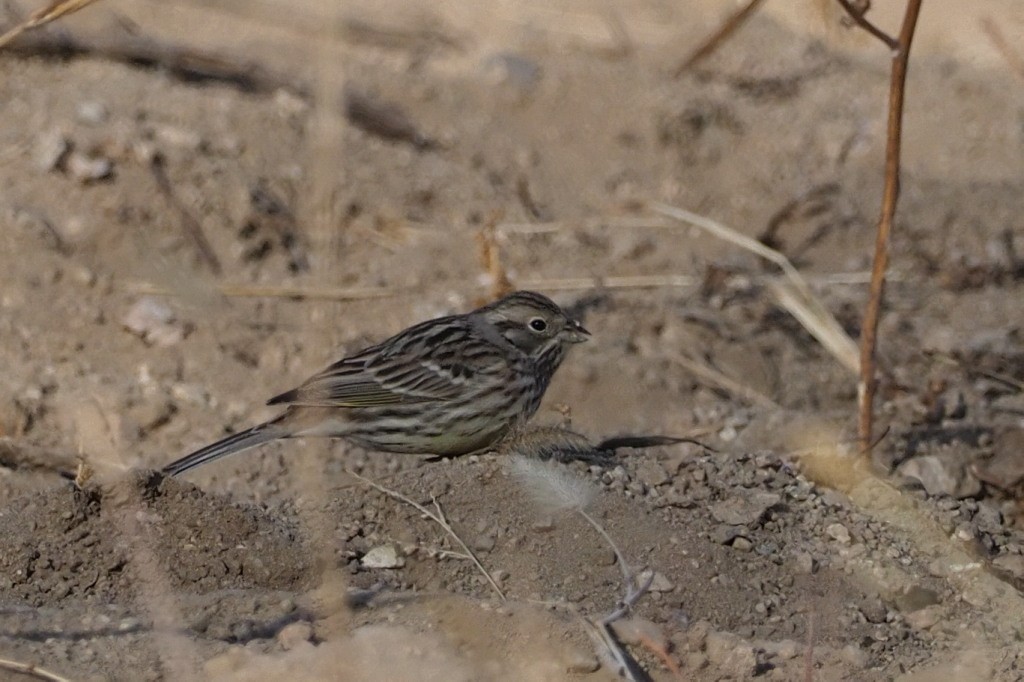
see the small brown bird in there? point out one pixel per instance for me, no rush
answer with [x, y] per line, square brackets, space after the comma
[449, 386]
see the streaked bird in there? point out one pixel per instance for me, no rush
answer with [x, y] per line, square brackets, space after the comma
[449, 386]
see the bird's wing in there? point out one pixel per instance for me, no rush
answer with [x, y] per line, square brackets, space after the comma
[395, 373]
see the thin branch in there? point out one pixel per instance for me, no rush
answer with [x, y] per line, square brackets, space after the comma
[43, 16]
[868, 383]
[189, 223]
[437, 517]
[711, 43]
[31, 670]
[858, 18]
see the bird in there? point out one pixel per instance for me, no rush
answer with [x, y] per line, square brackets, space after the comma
[450, 386]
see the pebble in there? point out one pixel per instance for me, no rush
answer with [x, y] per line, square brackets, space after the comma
[924, 619]
[745, 510]
[915, 598]
[838, 532]
[732, 654]
[804, 563]
[383, 556]
[742, 544]
[154, 322]
[652, 473]
[940, 476]
[88, 169]
[659, 582]
[580, 661]
[855, 656]
[51, 149]
[294, 634]
[1011, 563]
[92, 113]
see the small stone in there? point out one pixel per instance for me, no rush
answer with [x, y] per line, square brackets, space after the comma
[804, 563]
[484, 542]
[51, 149]
[915, 598]
[294, 634]
[580, 661]
[659, 583]
[725, 535]
[744, 510]
[731, 654]
[742, 544]
[924, 619]
[383, 556]
[695, 661]
[854, 656]
[940, 476]
[181, 138]
[785, 650]
[1006, 467]
[88, 169]
[92, 113]
[154, 322]
[874, 611]
[513, 69]
[652, 473]
[1011, 563]
[838, 532]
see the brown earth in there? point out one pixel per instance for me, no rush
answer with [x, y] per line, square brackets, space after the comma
[772, 554]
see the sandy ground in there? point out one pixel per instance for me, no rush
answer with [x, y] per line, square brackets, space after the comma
[770, 553]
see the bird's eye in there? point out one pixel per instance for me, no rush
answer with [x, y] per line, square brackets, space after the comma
[538, 324]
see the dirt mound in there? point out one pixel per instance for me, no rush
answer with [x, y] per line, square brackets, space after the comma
[69, 543]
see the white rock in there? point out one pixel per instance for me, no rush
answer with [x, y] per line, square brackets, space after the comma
[384, 556]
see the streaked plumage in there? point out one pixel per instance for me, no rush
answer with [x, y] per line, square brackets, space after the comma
[448, 386]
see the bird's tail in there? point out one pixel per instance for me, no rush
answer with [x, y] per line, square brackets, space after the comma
[243, 440]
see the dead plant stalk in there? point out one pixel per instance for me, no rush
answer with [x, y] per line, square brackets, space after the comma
[868, 383]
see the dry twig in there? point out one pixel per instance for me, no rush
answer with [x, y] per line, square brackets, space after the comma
[31, 670]
[712, 42]
[43, 16]
[868, 383]
[188, 222]
[438, 517]
[859, 18]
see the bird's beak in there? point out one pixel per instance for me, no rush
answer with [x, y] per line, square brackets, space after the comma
[575, 333]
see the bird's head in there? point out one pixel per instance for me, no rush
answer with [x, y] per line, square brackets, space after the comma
[532, 322]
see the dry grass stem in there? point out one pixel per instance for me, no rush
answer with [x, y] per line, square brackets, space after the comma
[276, 291]
[797, 298]
[714, 377]
[715, 40]
[1012, 56]
[813, 316]
[31, 670]
[189, 223]
[43, 16]
[438, 517]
